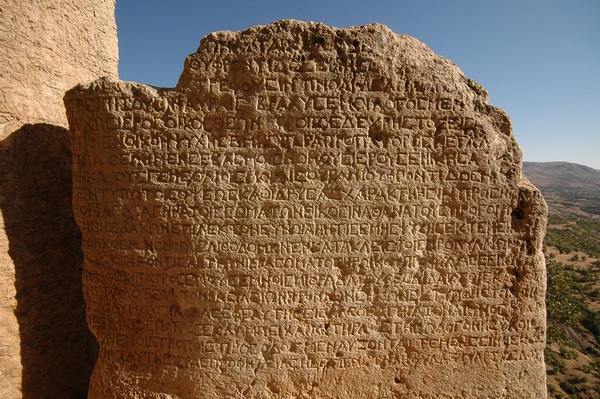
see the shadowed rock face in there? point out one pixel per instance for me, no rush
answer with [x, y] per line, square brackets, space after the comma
[313, 213]
[50, 350]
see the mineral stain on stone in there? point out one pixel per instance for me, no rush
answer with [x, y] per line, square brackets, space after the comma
[311, 213]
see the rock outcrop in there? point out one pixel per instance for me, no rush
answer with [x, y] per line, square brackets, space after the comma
[46, 349]
[311, 213]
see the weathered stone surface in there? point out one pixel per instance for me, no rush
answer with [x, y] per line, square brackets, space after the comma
[46, 349]
[46, 48]
[311, 213]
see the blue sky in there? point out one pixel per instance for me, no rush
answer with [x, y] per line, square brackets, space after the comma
[538, 59]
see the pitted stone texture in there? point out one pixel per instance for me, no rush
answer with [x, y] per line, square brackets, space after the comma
[311, 213]
[46, 47]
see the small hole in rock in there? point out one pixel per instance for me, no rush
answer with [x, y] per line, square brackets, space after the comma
[518, 214]
[517, 276]
[375, 135]
[397, 380]
[375, 139]
[530, 247]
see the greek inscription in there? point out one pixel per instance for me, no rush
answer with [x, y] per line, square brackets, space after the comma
[310, 205]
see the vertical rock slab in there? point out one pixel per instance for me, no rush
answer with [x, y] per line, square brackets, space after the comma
[46, 47]
[311, 213]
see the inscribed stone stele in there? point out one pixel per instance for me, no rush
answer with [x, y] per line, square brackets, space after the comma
[312, 212]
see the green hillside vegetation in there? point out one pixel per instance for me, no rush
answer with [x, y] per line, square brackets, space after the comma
[572, 249]
[568, 235]
[573, 301]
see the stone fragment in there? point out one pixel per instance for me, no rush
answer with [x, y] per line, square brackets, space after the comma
[311, 213]
[46, 47]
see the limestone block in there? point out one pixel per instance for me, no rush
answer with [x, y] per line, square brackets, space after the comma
[46, 47]
[311, 213]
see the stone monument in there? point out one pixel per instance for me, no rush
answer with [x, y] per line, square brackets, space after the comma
[46, 47]
[311, 213]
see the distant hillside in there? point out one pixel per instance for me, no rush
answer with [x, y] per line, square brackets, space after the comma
[570, 189]
[572, 251]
